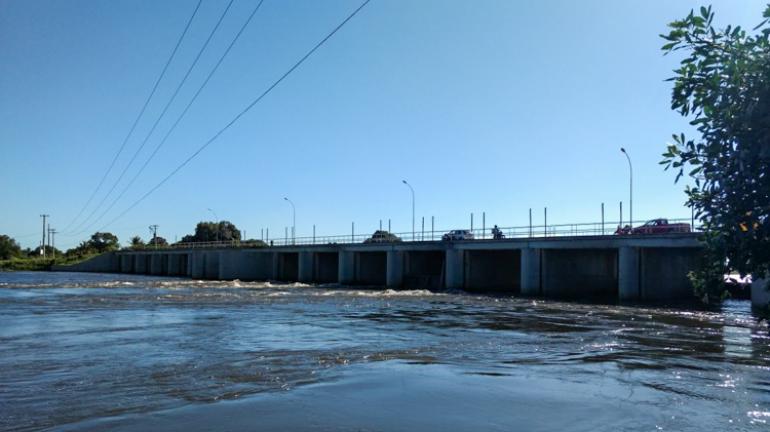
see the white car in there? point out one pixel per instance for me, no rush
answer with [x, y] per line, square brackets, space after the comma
[457, 235]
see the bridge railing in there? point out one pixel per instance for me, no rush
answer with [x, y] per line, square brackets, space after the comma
[608, 228]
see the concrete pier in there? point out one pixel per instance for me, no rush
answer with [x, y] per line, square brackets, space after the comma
[156, 264]
[347, 267]
[628, 274]
[127, 263]
[197, 265]
[455, 269]
[142, 264]
[305, 267]
[627, 268]
[175, 264]
[530, 272]
[394, 277]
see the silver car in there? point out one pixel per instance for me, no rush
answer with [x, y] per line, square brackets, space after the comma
[457, 235]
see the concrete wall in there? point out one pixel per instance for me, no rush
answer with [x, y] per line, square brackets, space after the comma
[158, 264]
[245, 265]
[424, 269]
[211, 265]
[580, 273]
[127, 263]
[493, 270]
[177, 264]
[108, 262]
[142, 263]
[664, 273]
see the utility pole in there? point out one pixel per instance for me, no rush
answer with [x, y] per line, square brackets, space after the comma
[154, 230]
[42, 243]
[53, 242]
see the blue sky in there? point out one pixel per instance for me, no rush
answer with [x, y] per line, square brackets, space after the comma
[483, 106]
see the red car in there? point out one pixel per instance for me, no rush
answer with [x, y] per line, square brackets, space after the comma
[656, 226]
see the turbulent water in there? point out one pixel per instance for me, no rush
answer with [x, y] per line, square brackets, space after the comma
[119, 352]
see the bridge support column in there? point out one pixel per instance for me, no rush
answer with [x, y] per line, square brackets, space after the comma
[140, 264]
[127, 263]
[197, 265]
[530, 272]
[346, 267]
[156, 264]
[629, 288]
[174, 265]
[455, 269]
[394, 276]
[211, 267]
[305, 267]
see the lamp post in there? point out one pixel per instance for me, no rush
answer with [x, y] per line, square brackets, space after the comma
[216, 219]
[630, 189]
[411, 189]
[293, 220]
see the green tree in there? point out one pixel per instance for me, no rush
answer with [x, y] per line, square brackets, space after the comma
[213, 231]
[157, 241]
[8, 247]
[137, 243]
[50, 252]
[103, 242]
[723, 86]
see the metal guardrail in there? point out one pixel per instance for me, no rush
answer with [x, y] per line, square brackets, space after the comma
[484, 233]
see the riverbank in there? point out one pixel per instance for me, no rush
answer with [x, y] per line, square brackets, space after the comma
[40, 264]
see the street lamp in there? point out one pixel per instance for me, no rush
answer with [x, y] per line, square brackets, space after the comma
[216, 219]
[293, 220]
[411, 189]
[630, 188]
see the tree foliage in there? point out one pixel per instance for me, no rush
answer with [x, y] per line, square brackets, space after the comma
[9, 248]
[137, 243]
[99, 242]
[157, 241]
[723, 86]
[104, 242]
[213, 231]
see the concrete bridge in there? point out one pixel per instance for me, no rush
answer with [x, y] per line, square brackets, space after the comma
[628, 268]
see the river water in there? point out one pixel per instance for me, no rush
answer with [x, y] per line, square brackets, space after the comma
[134, 353]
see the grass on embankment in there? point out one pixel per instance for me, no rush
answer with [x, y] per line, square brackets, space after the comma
[39, 264]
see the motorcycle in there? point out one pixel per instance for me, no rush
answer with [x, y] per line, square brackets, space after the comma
[497, 233]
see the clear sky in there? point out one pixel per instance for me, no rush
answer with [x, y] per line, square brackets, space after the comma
[493, 106]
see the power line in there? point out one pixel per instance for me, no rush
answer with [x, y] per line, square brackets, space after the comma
[240, 114]
[157, 121]
[138, 117]
[180, 117]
